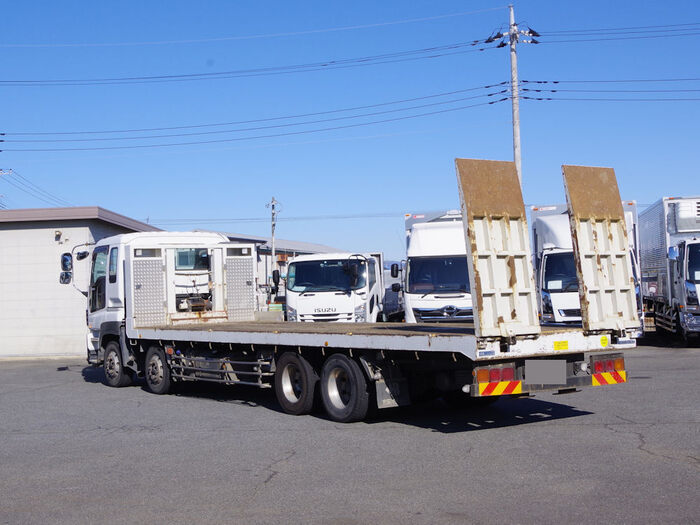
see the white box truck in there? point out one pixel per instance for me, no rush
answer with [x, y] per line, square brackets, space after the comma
[555, 268]
[177, 308]
[435, 284]
[339, 287]
[670, 249]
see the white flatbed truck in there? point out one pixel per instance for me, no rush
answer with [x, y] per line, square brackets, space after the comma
[139, 327]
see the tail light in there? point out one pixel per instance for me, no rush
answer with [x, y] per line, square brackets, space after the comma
[607, 363]
[494, 374]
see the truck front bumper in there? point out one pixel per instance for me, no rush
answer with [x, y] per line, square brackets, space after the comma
[691, 321]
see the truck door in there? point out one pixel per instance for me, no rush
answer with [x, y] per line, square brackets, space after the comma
[373, 296]
[114, 280]
[97, 292]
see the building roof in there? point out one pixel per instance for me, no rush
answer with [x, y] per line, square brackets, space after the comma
[74, 213]
[282, 245]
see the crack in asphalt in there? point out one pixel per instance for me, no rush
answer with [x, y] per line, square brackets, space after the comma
[272, 472]
[643, 446]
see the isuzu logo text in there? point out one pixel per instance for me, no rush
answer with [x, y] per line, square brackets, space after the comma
[324, 310]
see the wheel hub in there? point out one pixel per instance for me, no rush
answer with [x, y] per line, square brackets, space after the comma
[155, 371]
[339, 388]
[292, 384]
[111, 365]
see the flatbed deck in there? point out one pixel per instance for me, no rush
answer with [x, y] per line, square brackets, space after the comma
[453, 337]
[374, 329]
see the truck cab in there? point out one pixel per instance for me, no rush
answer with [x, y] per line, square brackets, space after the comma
[336, 287]
[684, 260]
[555, 267]
[195, 271]
[436, 278]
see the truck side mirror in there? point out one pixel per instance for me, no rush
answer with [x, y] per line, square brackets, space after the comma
[66, 262]
[65, 277]
[81, 255]
[673, 253]
[394, 270]
[396, 287]
[275, 282]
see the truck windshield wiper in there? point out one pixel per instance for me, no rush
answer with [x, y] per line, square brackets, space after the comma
[446, 290]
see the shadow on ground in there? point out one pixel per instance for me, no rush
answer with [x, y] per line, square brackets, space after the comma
[436, 415]
[441, 417]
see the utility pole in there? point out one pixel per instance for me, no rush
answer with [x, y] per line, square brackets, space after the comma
[513, 36]
[273, 208]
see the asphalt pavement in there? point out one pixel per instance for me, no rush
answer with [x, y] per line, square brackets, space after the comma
[76, 451]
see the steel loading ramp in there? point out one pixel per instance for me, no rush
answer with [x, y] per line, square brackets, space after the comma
[601, 250]
[498, 249]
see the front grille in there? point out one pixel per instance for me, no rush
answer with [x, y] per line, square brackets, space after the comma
[325, 318]
[448, 313]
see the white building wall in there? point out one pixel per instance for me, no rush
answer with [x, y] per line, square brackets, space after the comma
[38, 315]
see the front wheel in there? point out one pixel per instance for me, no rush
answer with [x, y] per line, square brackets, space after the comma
[157, 372]
[344, 389]
[115, 373]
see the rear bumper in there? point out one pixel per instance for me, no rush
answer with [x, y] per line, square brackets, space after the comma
[579, 373]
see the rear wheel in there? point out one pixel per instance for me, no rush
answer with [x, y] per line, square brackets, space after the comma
[295, 384]
[344, 389]
[157, 371]
[115, 373]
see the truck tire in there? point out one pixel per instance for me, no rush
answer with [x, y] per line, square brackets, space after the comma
[295, 384]
[115, 373]
[157, 371]
[344, 389]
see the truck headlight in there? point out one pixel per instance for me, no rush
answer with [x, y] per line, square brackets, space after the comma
[360, 313]
[291, 314]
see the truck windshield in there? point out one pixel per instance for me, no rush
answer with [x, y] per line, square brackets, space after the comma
[437, 274]
[326, 275]
[560, 273]
[191, 259]
[694, 263]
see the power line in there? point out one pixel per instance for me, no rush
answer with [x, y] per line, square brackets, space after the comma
[236, 139]
[253, 121]
[607, 29]
[260, 36]
[694, 33]
[387, 58]
[614, 99]
[25, 185]
[588, 81]
[611, 90]
[267, 219]
[258, 128]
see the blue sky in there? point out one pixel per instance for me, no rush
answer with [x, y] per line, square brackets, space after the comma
[370, 170]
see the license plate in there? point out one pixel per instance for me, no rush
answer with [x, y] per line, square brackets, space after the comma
[545, 371]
